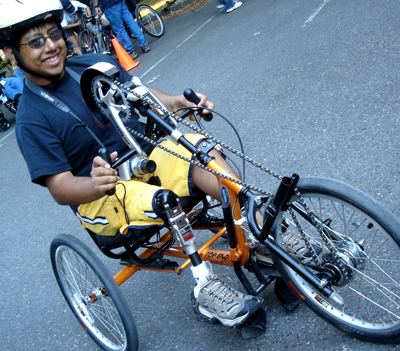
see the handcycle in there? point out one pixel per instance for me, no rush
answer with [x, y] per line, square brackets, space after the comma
[349, 277]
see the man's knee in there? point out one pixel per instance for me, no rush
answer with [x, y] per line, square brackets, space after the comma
[164, 200]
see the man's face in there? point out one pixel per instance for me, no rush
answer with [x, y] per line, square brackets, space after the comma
[47, 61]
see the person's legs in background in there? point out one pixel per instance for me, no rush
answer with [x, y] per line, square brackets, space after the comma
[114, 16]
[128, 19]
[220, 5]
[231, 5]
[70, 35]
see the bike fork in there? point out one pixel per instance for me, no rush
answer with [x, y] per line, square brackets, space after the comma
[320, 284]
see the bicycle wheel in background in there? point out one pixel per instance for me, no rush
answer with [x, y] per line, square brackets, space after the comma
[150, 21]
[86, 43]
[93, 295]
[365, 238]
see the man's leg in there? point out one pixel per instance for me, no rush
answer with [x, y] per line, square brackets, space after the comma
[212, 298]
[228, 4]
[114, 16]
[133, 26]
[207, 182]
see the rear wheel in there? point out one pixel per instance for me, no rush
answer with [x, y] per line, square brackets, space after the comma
[86, 43]
[362, 254]
[93, 295]
[150, 21]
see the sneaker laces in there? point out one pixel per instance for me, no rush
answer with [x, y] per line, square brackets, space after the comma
[297, 245]
[218, 289]
[291, 241]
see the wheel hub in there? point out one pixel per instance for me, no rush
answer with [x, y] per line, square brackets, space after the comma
[348, 258]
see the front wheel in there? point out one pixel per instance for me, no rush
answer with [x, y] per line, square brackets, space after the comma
[86, 43]
[360, 255]
[150, 21]
[93, 295]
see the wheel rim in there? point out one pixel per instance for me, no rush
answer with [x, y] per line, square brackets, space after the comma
[371, 294]
[150, 21]
[87, 45]
[86, 294]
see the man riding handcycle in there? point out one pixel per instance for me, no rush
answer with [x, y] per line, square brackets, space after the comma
[337, 248]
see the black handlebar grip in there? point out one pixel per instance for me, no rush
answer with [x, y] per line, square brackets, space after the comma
[150, 166]
[191, 96]
[105, 155]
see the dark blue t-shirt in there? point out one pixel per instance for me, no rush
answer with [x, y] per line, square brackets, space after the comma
[50, 140]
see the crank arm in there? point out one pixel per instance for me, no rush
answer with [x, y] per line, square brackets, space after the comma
[320, 284]
[146, 93]
[119, 125]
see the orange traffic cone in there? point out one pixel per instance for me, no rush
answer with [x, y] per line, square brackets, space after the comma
[124, 59]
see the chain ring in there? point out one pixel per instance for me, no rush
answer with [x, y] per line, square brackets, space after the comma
[100, 86]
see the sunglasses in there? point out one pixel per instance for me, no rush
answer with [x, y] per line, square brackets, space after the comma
[39, 42]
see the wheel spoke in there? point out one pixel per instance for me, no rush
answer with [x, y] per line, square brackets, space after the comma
[88, 292]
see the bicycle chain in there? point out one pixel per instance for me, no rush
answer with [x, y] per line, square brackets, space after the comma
[196, 163]
[168, 114]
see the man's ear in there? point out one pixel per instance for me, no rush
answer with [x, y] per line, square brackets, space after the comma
[9, 53]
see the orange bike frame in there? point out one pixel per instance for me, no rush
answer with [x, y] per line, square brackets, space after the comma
[240, 253]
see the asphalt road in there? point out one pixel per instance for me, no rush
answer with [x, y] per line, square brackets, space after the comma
[313, 88]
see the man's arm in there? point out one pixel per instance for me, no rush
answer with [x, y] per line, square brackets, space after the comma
[173, 103]
[68, 189]
[97, 8]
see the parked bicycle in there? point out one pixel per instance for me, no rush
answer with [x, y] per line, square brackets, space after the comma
[147, 18]
[93, 37]
[11, 105]
[351, 274]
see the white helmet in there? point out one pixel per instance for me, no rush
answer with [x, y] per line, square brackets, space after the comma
[16, 16]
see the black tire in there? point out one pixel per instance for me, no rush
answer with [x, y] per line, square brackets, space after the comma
[370, 288]
[93, 295]
[86, 43]
[150, 21]
[106, 44]
[11, 106]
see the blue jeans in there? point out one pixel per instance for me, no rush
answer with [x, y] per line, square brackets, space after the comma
[227, 3]
[119, 14]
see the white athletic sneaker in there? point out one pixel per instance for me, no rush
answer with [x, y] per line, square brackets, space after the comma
[237, 4]
[218, 301]
[294, 245]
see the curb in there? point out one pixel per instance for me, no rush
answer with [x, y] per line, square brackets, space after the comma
[177, 6]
